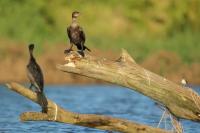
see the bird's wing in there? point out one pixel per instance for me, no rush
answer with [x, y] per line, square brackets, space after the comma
[82, 35]
[40, 78]
[69, 33]
[37, 76]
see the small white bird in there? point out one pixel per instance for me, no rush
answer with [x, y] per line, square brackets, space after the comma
[184, 82]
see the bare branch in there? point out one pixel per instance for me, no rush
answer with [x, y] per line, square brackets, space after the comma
[180, 101]
[58, 114]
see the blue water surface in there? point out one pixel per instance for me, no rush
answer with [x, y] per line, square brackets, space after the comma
[91, 99]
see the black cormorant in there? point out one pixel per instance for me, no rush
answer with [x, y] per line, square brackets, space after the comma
[76, 35]
[35, 76]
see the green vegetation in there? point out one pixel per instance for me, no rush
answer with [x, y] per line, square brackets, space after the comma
[141, 26]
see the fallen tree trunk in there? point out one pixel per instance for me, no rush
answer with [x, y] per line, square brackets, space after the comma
[180, 101]
[57, 114]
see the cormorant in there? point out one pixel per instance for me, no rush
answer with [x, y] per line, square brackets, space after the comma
[35, 76]
[76, 35]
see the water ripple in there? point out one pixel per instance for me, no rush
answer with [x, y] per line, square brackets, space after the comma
[103, 100]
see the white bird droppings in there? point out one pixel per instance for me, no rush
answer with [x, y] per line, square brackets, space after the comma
[70, 64]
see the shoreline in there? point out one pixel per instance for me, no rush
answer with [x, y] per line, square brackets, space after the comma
[164, 63]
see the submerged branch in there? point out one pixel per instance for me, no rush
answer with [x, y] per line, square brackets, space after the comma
[57, 114]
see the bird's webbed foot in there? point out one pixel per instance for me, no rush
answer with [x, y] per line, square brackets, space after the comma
[67, 51]
[44, 110]
[81, 53]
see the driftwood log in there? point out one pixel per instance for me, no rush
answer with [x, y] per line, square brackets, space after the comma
[58, 114]
[181, 101]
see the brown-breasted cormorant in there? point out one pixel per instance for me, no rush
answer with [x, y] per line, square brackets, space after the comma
[35, 76]
[76, 35]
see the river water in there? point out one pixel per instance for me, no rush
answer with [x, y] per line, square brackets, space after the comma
[93, 99]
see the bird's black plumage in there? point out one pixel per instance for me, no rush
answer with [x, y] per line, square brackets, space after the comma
[35, 76]
[34, 72]
[76, 35]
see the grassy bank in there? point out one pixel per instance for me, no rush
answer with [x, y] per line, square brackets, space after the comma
[163, 36]
[143, 27]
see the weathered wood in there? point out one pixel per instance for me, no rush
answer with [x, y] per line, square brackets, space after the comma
[180, 101]
[58, 114]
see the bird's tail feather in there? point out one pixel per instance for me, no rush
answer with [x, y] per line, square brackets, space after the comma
[87, 48]
[42, 101]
